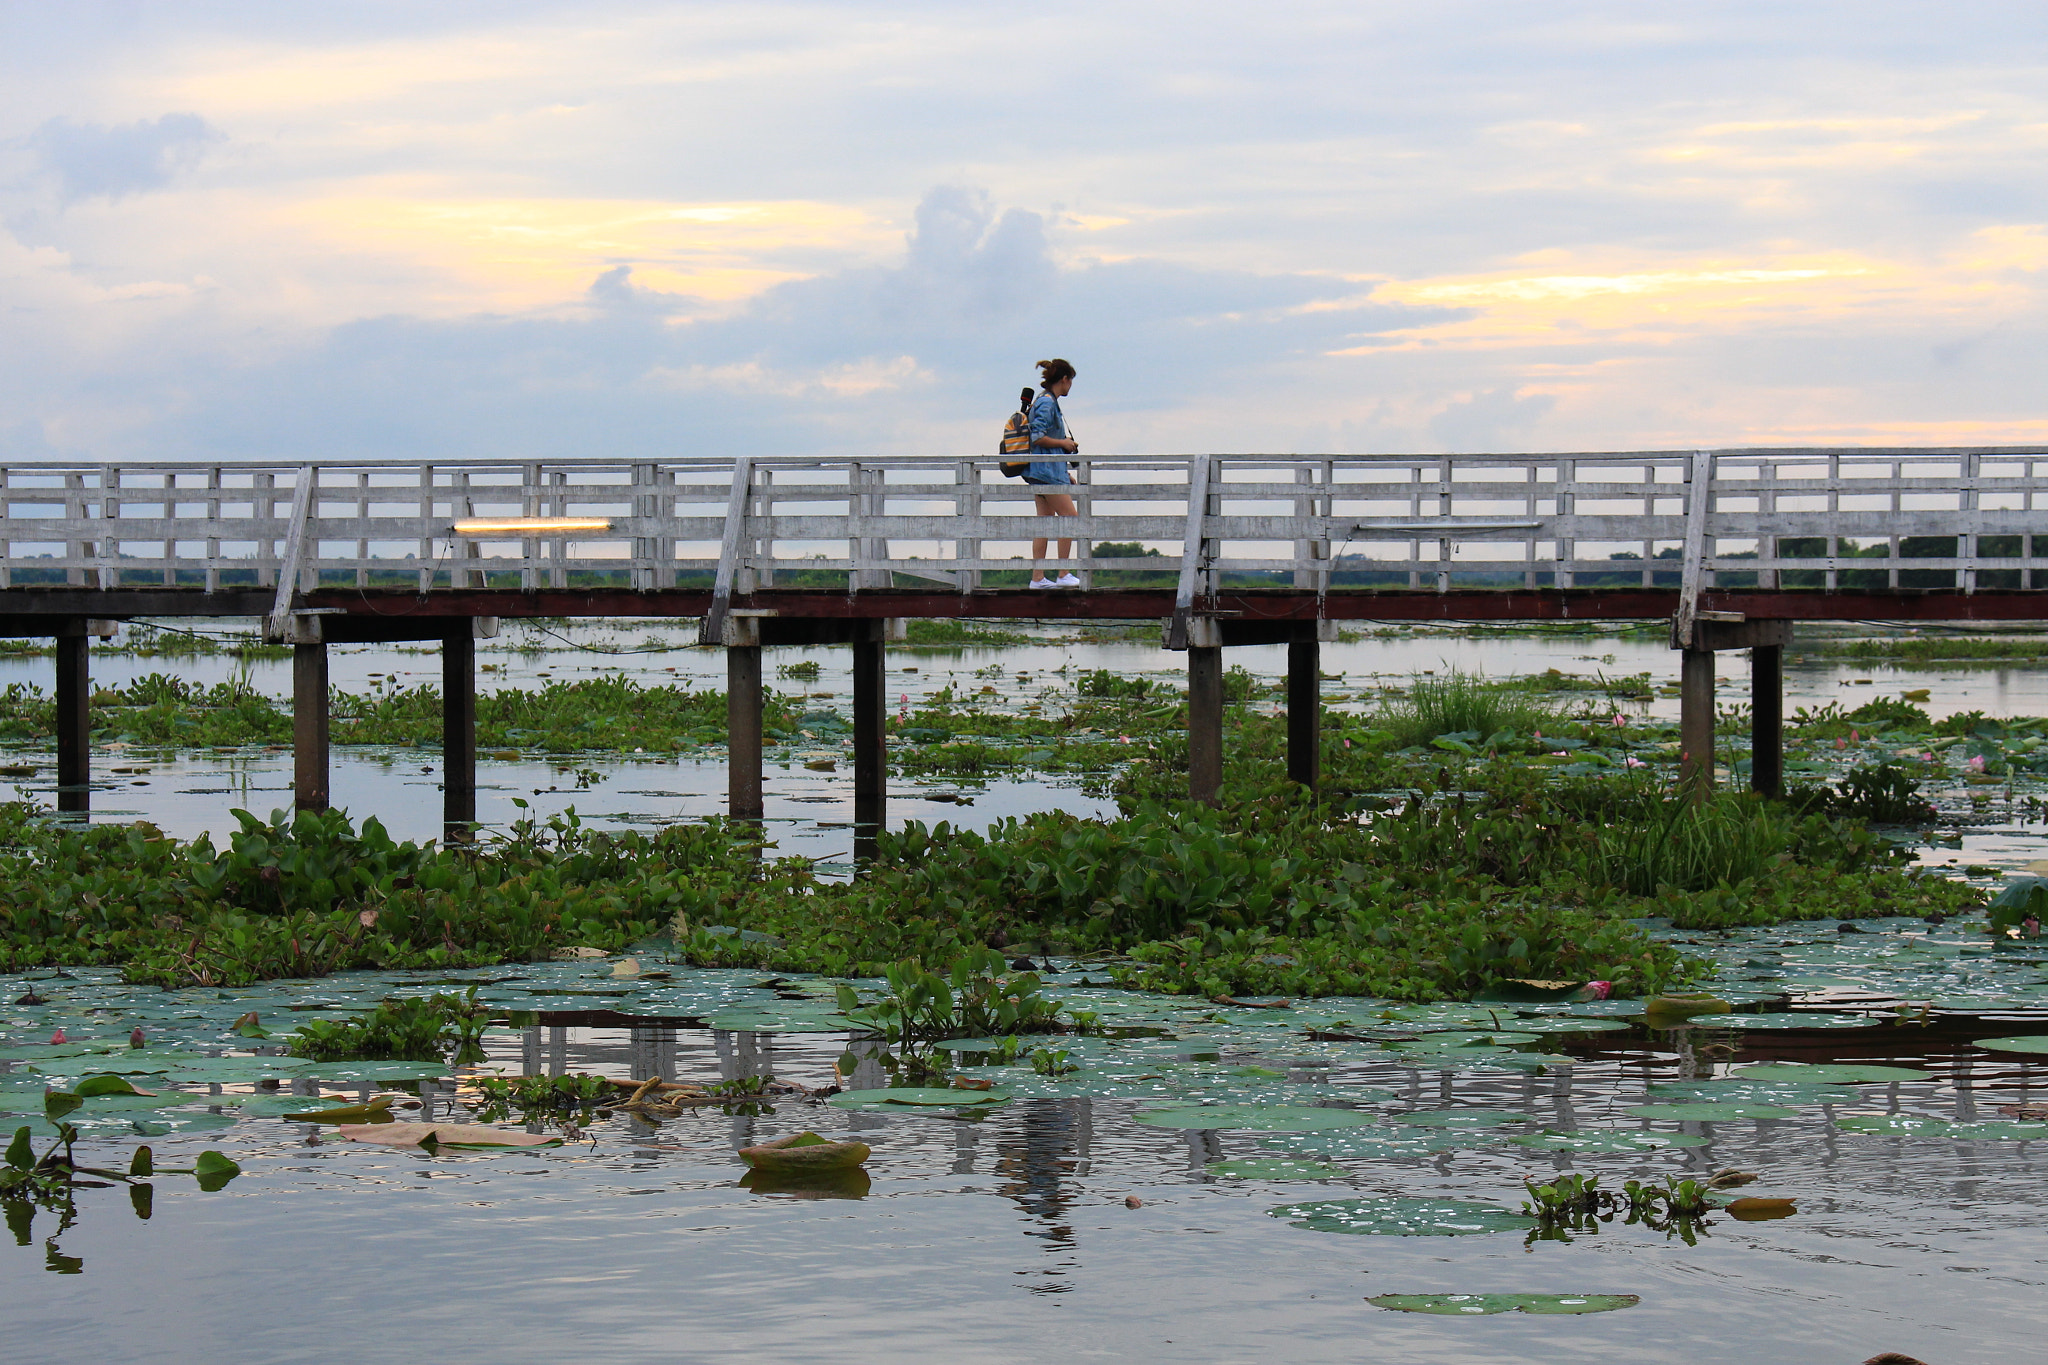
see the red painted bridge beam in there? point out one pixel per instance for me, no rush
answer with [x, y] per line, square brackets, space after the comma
[1139, 604]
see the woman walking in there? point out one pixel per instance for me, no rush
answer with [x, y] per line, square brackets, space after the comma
[1049, 434]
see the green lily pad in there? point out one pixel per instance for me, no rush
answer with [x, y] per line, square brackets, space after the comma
[1709, 1111]
[761, 1021]
[1828, 1073]
[1266, 1118]
[1793, 1019]
[236, 1070]
[2037, 1042]
[1453, 1015]
[979, 1044]
[916, 1097]
[1382, 1144]
[1740, 1092]
[1276, 1168]
[47, 1052]
[1463, 1039]
[1392, 1216]
[160, 1124]
[335, 1073]
[1460, 1118]
[2018, 1130]
[1573, 1024]
[270, 1106]
[1599, 1141]
[1897, 1125]
[1459, 1305]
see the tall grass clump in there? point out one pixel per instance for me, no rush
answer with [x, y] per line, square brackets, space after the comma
[1462, 703]
[1674, 842]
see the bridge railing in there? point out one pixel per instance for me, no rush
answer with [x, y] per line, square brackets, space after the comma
[1782, 518]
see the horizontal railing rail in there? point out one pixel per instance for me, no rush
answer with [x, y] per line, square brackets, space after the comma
[1901, 518]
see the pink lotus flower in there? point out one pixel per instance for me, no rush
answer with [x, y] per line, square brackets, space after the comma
[1619, 723]
[1630, 760]
[1597, 990]
[1123, 739]
[1841, 744]
[135, 1039]
[58, 1036]
[1976, 763]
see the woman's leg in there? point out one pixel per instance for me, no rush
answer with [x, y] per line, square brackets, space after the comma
[1049, 505]
[1060, 505]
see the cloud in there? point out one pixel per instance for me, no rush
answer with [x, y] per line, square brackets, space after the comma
[925, 352]
[92, 159]
[1497, 419]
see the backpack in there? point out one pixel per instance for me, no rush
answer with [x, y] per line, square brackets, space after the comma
[1017, 440]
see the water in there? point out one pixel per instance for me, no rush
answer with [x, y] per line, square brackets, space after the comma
[195, 792]
[1004, 1234]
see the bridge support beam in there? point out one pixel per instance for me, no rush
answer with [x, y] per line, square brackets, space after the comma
[1305, 713]
[1696, 721]
[309, 727]
[743, 728]
[1767, 719]
[870, 738]
[74, 718]
[1205, 720]
[458, 731]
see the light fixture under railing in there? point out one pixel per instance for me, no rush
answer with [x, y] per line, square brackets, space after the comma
[530, 526]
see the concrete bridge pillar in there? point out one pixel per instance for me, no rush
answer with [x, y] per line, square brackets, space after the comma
[1305, 712]
[310, 750]
[1696, 721]
[74, 717]
[458, 731]
[1767, 719]
[743, 725]
[870, 738]
[1205, 713]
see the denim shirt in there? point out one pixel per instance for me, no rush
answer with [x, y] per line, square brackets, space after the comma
[1047, 421]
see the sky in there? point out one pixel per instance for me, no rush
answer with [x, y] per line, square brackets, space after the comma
[296, 231]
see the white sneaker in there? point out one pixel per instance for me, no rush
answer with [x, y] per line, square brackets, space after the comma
[1042, 583]
[1066, 580]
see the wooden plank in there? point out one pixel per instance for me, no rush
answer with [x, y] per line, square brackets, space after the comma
[1700, 494]
[712, 631]
[1200, 470]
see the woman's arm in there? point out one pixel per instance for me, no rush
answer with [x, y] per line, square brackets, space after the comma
[1041, 424]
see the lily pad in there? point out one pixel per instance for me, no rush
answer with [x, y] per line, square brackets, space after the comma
[1740, 1092]
[762, 1021]
[1460, 1118]
[166, 1121]
[1793, 1019]
[1459, 1305]
[1828, 1073]
[1572, 1024]
[1598, 1141]
[1897, 1125]
[1266, 1118]
[1393, 1216]
[1994, 1131]
[2037, 1042]
[916, 1097]
[1708, 1111]
[444, 1135]
[337, 1072]
[1276, 1168]
[235, 1070]
[1382, 1144]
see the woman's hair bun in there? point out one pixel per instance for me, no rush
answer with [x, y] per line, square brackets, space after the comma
[1051, 372]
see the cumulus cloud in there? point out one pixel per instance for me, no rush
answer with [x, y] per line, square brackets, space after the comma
[87, 160]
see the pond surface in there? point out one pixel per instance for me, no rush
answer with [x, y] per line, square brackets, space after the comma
[810, 812]
[1006, 1231]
